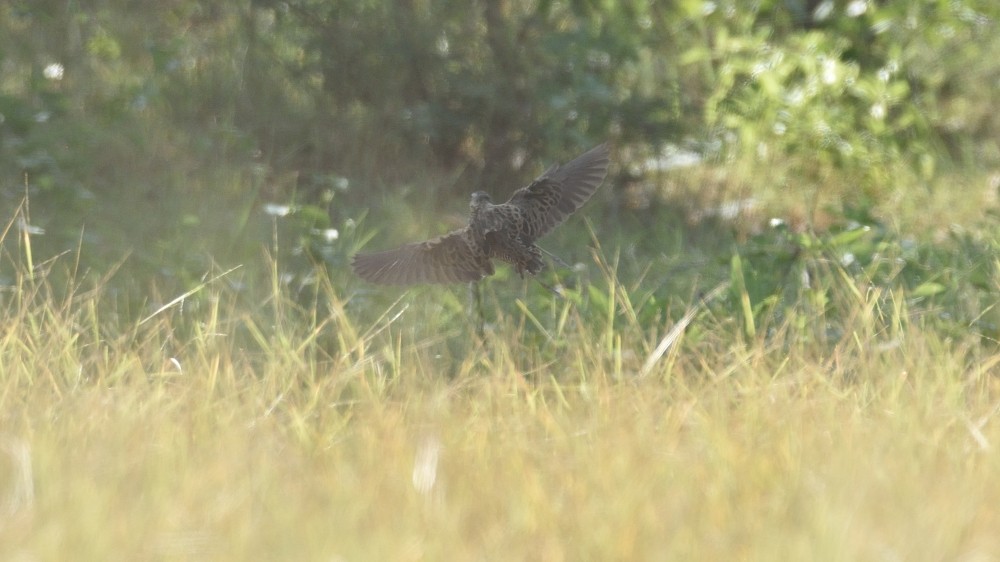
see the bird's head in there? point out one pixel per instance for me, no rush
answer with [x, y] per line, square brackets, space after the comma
[479, 199]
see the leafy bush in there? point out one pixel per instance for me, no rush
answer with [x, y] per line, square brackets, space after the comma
[857, 101]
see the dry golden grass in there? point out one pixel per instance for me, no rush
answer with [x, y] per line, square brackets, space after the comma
[223, 430]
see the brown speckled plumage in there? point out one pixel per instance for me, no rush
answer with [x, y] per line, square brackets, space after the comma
[506, 232]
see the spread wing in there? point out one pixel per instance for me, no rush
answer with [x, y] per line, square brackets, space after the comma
[445, 259]
[560, 191]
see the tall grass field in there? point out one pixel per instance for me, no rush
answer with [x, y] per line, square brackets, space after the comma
[351, 425]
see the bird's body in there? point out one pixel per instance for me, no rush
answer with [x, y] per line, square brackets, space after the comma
[506, 232]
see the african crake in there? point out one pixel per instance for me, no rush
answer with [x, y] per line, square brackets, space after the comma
[506, 232]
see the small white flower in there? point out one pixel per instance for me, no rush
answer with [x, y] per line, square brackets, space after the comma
[795, 97]
[276, 210]
[29, 228]
[856, 8]
[53, 71]
[328, 234]
[823, 11]
[443, 46]
[829, 71]
[425, 465]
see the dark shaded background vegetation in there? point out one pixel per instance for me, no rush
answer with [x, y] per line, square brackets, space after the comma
[173, 138]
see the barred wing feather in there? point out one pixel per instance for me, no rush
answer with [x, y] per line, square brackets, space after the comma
[445, 259]
[561, 191]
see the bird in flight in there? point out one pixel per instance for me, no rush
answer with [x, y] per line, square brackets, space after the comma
[506, 232]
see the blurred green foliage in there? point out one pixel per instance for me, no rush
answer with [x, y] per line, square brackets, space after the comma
[830, 87]
[864, 95]
[166, 128]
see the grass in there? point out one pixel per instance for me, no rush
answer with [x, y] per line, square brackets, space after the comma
[342, 427]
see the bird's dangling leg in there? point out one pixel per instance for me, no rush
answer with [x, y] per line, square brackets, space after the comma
[476, 309]
[555, 258]
[531, 263]
[555, 291]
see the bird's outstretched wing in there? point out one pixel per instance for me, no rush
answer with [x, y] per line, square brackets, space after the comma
[560, 191]
[445, 259]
